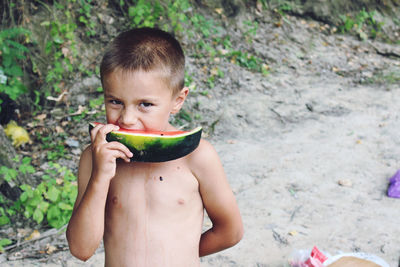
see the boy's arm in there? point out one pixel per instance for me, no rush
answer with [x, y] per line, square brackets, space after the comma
[86, 226]
[218, 200]
[96, 169]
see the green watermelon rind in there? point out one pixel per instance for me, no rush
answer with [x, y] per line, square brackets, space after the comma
[156, 147]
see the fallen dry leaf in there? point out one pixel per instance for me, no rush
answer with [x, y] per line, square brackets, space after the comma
[293, 233]
[50, 249]
[214, 71]
[219, 10]
[35, 234]
[65, 51]
[59, 129]
[41, 117]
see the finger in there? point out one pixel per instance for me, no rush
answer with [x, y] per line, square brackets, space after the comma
[118, 146]
[104, 130]
[94, 131]
[115, 154]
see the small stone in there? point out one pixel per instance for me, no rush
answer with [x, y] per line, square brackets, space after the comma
[72, 143]
[345, 182]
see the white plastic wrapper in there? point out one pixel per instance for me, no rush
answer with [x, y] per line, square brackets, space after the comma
[361, 255]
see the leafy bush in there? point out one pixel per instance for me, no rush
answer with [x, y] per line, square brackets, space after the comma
[363, 24]
[12, 52]
[52, 200]
[10, 174]
[61, 50]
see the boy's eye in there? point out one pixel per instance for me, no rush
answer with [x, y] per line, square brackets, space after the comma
[115, 102]
[146, 104]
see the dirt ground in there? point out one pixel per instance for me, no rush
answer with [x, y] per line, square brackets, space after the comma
[308, 149]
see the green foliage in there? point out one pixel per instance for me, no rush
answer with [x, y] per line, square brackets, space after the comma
[176, 13]
[383, 77]
[54, 145]
[95, 103]
[25, 166]
[85, 16]
[206, 35]
[247, 61]
[211, 37]
[61, 50]
[145, 13]
[4, 242]
[10, 174]
[170, 14]
[284, 7]
[12, 52]
[58, 59]
[4, 219]
[182, 118]
[203, 26]
[52, 200]
[363, 24]
[251, 31]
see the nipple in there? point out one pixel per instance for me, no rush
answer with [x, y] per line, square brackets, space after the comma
[115, 202]
[181, 201]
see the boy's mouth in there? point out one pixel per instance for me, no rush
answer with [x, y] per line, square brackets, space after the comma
[124, 127]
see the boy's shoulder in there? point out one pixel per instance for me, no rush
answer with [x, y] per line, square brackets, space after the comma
[203, 157]
[86, 152]
[204, 150]
[85, 160]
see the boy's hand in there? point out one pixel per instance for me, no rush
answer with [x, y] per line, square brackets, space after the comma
[104, 154]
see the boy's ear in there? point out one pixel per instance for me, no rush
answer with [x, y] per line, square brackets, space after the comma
[179, 99]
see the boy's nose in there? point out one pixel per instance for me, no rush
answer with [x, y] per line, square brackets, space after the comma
[128, 119]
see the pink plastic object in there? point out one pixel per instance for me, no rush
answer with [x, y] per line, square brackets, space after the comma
[305, 258]
[394, 186]
[316, 259]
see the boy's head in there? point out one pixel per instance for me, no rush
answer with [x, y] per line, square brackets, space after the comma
[146, 49]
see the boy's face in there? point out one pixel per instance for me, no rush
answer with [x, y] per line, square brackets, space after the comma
[140, 100]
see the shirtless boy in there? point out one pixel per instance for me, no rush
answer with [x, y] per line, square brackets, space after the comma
[145, 220]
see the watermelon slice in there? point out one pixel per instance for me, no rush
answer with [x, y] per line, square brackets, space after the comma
[155, 146]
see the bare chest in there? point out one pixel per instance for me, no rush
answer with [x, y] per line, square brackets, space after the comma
[158, 190]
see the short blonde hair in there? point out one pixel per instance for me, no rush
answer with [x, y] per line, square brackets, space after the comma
[146, 49]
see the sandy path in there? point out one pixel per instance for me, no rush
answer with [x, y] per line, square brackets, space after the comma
[315, 122]
[289, 182]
